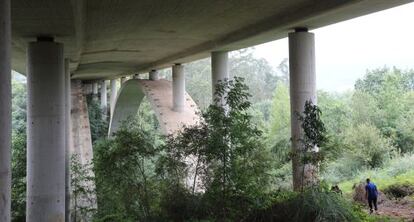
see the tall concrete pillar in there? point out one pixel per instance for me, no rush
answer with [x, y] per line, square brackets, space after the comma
[5, 111]
[95, 88]
[123, 80]
[104, 98]
[219, 70]
[87, 88]
[114, 93]
[302, 89]
[178, 84]
[45, 131]
[153, 75]
[67, 139]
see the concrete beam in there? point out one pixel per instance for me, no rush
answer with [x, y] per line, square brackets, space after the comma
[178, 87]
[5, 111]
[219, 71]
[45, 132]
[302, 89]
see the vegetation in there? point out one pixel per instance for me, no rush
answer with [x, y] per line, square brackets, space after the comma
[98, 125]
[18, 151]
[236, 165]
[82, 190]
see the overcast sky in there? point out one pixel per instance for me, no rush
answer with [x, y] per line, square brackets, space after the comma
[344, 51]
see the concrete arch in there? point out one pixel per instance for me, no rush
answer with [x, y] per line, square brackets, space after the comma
[159, 94]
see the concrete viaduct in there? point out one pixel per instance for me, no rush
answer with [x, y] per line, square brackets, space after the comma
[55, 41]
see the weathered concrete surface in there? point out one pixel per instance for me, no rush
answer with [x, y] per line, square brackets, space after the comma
[302, 77]
[81, 141]
[68, 139]
[178, 87]
[5, 111]
[219, 72]
[81, 144]
[104, 99]
[112, 97]
[159, 94]
[153, 75]
[107, 38]
[45, 133]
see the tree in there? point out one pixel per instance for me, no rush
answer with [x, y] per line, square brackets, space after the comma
[312, 139]
[18, 198]
[124, 167]
[368, 146]
[278, 137]
[385, 91]
[231, 160]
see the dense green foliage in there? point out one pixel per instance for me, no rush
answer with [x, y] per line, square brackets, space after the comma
[125, 178]
[317, 204]
[236, 165]
[147, 180]
[370, 126]
[18, 151]
[83, 205]
[98, 124]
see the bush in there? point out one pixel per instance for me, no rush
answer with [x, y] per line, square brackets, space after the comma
[315, 204]
[399, 190]
[18, 196]
[366, 144]
[125, 178]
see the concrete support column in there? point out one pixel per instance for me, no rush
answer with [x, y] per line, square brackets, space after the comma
[88, 88]
[153, 75]
[219, 70]
[123, 80]
[5, 111]
[45, 131]
[67, 140]
[178, 84]
[114, 93]
[302, 89]
[95, 88]
[104, 98]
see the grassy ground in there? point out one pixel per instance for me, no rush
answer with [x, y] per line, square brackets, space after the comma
[397, 171]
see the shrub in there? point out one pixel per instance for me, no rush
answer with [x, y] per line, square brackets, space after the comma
[315, 204]
[366, 144]
[399, 190]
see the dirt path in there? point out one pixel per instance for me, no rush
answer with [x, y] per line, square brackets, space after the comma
[399, 209]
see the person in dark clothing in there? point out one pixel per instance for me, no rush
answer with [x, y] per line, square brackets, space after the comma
[371, 194]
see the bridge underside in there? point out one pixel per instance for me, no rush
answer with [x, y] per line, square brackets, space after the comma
[107, 38]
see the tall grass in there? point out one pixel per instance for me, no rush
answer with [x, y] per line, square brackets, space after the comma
[396, 171]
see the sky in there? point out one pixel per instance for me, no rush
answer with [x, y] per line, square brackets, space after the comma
[345, 50]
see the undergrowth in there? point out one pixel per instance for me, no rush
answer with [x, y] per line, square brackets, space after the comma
[315, 204]
[396, 171]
